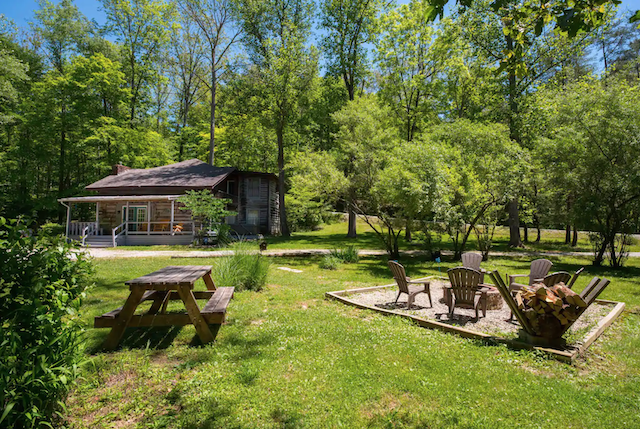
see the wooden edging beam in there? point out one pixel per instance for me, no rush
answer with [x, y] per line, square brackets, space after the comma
[563, 355]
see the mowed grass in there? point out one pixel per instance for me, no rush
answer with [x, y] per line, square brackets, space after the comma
[335, 236]
[289, 358]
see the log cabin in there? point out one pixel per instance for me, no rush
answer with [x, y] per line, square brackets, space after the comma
[141, 207]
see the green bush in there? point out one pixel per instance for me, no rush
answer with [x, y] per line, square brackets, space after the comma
[40, 291]
[246, 269]
[349, 254]
[51, 229]
[329, 262]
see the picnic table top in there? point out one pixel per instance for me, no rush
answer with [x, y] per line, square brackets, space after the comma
[173, 275]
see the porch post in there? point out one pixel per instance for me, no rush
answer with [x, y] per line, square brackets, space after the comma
[148, 217]
[97, 218]
[68, 218]
[173, 204]
[126, 220]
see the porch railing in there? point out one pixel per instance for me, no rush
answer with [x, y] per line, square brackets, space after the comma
[90, 229]
[78, 228]
[115, 234]
[161, 228]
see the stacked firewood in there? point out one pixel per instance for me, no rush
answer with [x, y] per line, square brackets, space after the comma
[549, 309]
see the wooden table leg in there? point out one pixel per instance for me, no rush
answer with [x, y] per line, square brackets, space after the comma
[122, 321]
[194, 314]
[208, 281]
[158, 301]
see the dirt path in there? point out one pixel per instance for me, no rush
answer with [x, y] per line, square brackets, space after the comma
[119, 253]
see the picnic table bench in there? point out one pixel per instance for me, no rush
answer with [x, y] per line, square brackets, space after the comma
[169, 284]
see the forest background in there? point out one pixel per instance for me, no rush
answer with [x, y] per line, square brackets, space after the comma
[488, 115]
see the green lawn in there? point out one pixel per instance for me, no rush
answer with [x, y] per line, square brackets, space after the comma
[289, 358]
[335, 235]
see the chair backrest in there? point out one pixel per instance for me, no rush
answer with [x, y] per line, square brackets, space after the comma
[399, 275]
[574, 278]
[464, 284]
[555, 278]
[471, 260]
[539, 269]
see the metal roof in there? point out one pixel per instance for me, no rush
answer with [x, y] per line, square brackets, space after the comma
[192, 173]
[112, 198]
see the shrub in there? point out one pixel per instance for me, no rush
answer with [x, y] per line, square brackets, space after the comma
[329, 262]
[40, 291]
[349, 254]
[245, 269]
[51, 229]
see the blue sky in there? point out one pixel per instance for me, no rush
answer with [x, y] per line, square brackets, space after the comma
[21, 11]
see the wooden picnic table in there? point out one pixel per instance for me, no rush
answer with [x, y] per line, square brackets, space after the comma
[162, 286]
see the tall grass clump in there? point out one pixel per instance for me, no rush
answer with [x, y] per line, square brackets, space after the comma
[246, 269]
[329, 262]
[41, 288]
[349, 254]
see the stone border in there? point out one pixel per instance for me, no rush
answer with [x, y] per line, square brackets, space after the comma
[566, 355]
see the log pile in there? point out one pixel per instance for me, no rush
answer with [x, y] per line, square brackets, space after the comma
[549, 309]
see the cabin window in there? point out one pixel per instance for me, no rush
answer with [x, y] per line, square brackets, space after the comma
[253, 217]
[253, 187]
[231, 187]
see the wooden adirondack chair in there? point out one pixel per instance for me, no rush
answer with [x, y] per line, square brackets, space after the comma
[562, 276]
[405, 285]
[473, 260]
[539, 269]
[466, 290]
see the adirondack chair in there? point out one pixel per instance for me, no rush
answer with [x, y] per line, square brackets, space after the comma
[466, 291]
[405, 285]
[561, 276]
[473, 260]
[539, 269]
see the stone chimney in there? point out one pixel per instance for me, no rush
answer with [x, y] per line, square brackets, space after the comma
[119, 168]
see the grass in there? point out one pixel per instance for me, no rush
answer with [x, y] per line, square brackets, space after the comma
[335, 236]
[289, 358]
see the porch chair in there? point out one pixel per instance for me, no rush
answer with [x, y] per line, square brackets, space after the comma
[466, 291]
[405, 285]
[472, 260]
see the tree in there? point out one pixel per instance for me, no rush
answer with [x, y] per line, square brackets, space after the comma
[285, 68]
[597, 127]
[214, 20]
[408, 65]
[486, 168]
[364, 138]
[143, 27]
[535, 52]
[350, 26]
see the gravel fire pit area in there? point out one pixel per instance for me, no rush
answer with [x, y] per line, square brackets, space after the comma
[495, 325]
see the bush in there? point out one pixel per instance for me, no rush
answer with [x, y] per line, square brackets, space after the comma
[245, 269]
[329, 262]
[41, 287]
[51, 229]
[348, 255]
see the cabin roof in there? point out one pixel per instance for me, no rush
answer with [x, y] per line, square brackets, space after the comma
[192, 173]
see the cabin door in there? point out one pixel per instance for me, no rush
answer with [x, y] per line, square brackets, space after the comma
[136, 215]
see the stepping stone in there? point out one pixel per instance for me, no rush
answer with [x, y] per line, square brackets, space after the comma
[293, 270]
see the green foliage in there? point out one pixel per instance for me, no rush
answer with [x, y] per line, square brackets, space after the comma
[349, 254]
[210, 210]
[41, 287]
[330, 262]
[51, 229]
[246, 269]
[593, 146]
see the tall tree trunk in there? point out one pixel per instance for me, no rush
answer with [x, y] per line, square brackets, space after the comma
[536, 222]
[212, 134]
[284, 227]
[351, 233]
[567, 234]
[61, 161]
[525, 228]
[514, 214]
[574, 240]
[514, 224]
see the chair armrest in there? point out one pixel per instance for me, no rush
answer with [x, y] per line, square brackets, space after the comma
[413, 282]
[514, 276]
